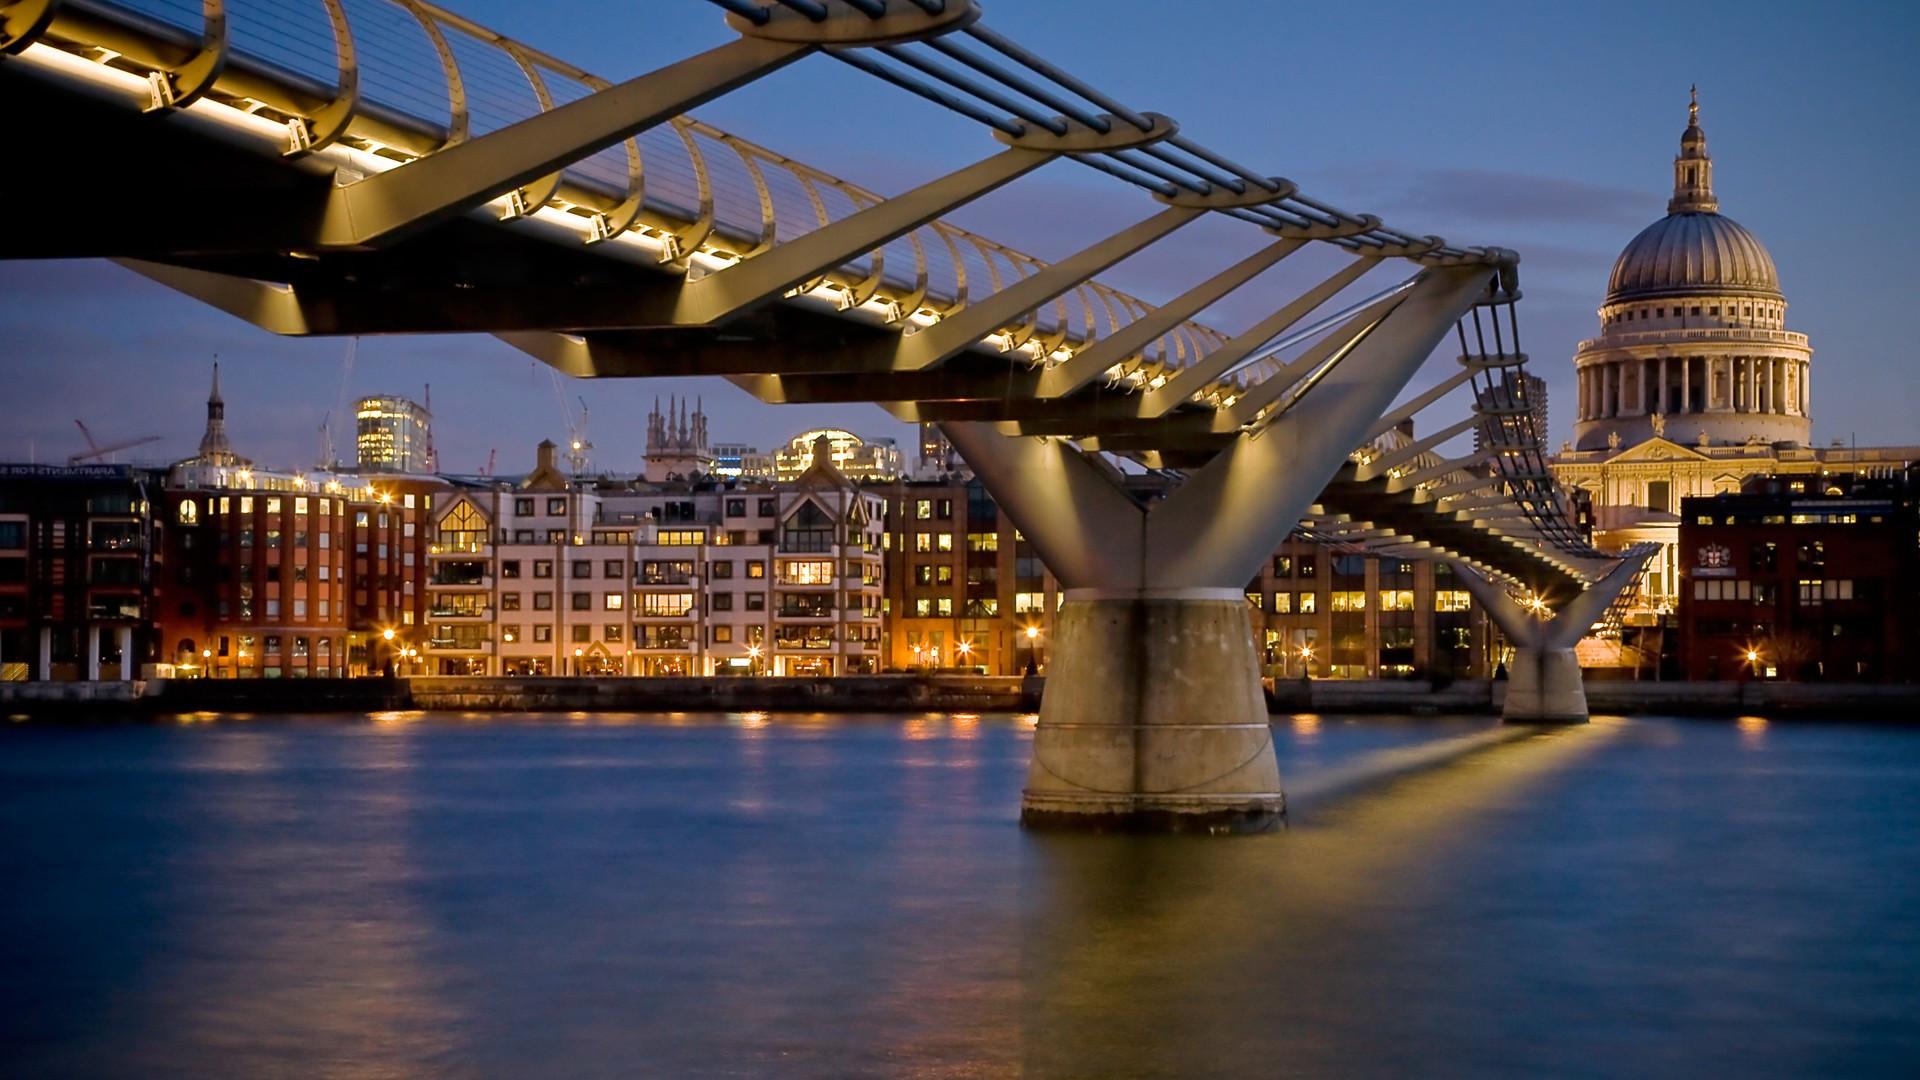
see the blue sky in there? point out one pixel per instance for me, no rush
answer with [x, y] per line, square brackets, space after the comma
[1548, 128]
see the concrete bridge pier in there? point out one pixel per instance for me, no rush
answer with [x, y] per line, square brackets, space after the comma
[1154, 719]
[1544, 685]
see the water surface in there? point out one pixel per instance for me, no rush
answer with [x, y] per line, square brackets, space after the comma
[742, 895]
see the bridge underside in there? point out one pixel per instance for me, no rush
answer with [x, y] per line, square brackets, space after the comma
[1153, 716]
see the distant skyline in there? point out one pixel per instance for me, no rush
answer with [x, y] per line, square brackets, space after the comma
[1544, 128]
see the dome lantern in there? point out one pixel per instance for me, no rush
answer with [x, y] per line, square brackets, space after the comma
[1693, 169]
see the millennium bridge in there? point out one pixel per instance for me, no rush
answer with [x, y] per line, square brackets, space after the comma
[345, 167]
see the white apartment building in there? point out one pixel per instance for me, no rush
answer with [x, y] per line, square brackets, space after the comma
[551, 577]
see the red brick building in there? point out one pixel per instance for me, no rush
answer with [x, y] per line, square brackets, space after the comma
[1800, 578]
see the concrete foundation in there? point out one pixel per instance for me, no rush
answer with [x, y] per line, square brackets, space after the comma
[1153, 718]
[1544, 687]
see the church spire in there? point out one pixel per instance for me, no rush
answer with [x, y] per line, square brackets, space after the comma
[1693, 169]
[214, 449]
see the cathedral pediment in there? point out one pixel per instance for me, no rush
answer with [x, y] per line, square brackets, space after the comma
[1656, 449]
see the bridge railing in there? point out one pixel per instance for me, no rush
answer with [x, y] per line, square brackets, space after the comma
[415, 77]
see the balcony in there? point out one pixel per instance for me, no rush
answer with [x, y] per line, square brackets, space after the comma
[440, 645]
[460, 613]
[461, 547]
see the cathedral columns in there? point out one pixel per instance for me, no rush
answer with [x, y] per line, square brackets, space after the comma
[1686, 384]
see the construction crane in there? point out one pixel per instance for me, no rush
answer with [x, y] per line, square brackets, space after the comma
[488, 471]
[95, 450]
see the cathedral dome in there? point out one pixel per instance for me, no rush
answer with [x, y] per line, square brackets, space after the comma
[1690, 254]
[1694, 250]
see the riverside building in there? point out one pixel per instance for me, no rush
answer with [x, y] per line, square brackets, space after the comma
[1799, 579]
[79, 551]
[554, 576]
[273, 574]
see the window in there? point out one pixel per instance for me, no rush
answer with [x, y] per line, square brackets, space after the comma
[543, 568]
[582, 634]
[923, 607]
[983, 541]
[1451, 599]
[923, 542]
[510, 568]
[722, 633]
[721, 601]
[1282, 603]
[721, 570]
[1308, 566]
[1349, 600]
[189, 512]
[769, 507]
[944, 605]
[542, 601]
[923, 510]
[611, 632]
[756, 601]
[1307, 601]
[1396, 599]
[556, 506]
[923, 574]
[612, 601]
[580, 601]
[1027, 603]
[543, 633]
[614, 569]
[523, 507]
[581, 568]
[809, 572]
[809, 529]
[680, 537]
[1282, 566]
[736, 508]
[666, 605]
[756, 568]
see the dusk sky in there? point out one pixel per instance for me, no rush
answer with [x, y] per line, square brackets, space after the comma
[1546, 128]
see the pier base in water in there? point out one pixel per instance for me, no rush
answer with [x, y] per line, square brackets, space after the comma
[1153, 719]
[1544, 687]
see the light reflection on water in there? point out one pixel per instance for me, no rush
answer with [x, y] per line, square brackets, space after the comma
[744, 894]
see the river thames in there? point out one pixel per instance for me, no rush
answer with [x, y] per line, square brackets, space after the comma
[744, 895]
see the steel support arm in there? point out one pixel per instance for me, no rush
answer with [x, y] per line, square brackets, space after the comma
[1196, 376]
[751, 282]
[1520, 627]
[965, 328]
[1222, 524]
[1410, 481]
[1088, 363]
[1579, 614]
[461, 177]
[1406, 412]
[1393, 459]
[1251, 404]
[1086, 530]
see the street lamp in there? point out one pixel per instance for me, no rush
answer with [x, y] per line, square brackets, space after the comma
[1032, 634]
[206, 663]
[1306, 661]
[577, 654]
[963, 652]
[753, 655]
